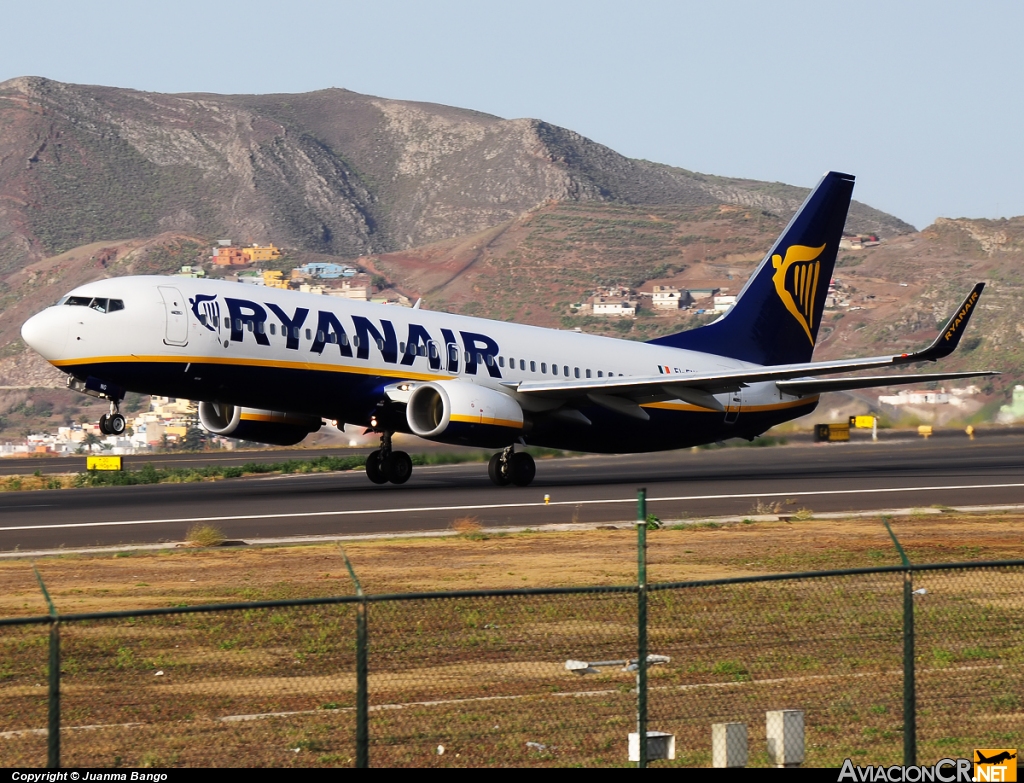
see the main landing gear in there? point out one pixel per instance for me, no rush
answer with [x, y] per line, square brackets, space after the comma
[113, 423]
[385, 465]
[511, 467]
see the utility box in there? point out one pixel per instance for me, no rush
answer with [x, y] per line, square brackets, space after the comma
[660, 745]
[728, 744]
[784, 730]
[831, 433]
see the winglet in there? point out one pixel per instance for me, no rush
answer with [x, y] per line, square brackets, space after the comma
[949, 336]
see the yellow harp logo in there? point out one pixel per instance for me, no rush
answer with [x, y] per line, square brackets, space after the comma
[796, 282]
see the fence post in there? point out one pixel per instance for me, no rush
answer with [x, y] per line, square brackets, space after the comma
[362, 692]
[641, 626]
[909, 679]
[53, 702]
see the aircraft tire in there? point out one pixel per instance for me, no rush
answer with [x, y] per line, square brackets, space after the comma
[374, 470]
[524, 469]
[116, 424]
[498, 478]
[105, 425]
[398, 467]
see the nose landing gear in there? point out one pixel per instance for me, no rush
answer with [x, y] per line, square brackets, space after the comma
[511, 467]
[384, 465]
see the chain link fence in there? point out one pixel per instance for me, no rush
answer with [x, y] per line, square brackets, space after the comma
[543, 677]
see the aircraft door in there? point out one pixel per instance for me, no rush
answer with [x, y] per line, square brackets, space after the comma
[176, 332]
[733, 406]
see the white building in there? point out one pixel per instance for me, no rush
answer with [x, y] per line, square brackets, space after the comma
[916, 398]
[607, 306]
[666, 297]
[723, 302]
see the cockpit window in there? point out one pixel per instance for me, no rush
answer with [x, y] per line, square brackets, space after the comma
[96, 303]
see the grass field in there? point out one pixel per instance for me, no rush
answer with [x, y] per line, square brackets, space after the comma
[484, 678]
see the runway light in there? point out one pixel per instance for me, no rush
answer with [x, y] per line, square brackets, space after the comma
[547, 499]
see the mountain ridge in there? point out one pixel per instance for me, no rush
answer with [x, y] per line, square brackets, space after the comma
[330, 171]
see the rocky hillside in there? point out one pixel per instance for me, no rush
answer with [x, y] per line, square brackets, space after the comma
[329, 171]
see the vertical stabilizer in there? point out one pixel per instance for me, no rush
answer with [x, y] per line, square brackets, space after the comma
[776, 316]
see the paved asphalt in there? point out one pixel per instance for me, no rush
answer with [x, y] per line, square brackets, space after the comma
[827, 477]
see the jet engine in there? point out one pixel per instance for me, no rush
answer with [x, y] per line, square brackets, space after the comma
[459, 412]
[273, 427]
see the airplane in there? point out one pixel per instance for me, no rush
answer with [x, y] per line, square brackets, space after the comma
[269, 365]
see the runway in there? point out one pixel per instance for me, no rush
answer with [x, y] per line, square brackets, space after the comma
[730, 481]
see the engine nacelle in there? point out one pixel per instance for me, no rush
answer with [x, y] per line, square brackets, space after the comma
[273, 427]
[460, 412]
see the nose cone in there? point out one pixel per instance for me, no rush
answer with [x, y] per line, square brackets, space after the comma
[46, 333]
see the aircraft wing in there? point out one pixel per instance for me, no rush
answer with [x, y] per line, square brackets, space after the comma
[698, 388]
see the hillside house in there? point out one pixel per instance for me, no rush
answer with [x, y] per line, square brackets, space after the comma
[723, 302]
[229, 256]
[666, 297]
[326, 270]
[606, 305]
[264, 253]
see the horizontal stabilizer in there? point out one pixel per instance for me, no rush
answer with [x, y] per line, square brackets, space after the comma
[822, 385]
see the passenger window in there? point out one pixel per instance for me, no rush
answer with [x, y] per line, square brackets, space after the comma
[434, 354]
[565, 371]
[380, 344]
[543, 366]
[355, 340]
[588, 373]
[227, 322]
[344, 339]
[453, 358]
[421, 350]
[489, 360]
[332, 338]
[468, 358]
[248, 325]
[576, 371]
[554, 369]
[117, 304]
[273, 328]
[600, 374]
[501, 361]
[238, 324]
[522, 365]
[309, 335]
[401, 349]
[320, 336]
[295, 332]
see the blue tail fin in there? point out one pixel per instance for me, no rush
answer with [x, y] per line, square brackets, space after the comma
[776, 316]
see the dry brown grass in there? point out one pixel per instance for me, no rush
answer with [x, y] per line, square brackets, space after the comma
[204, 536]
[467, 525]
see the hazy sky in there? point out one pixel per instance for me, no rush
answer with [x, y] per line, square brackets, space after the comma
[924, 102]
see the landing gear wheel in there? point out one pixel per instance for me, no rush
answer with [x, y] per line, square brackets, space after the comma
[523, 469]
[116, 424]
[398, 467]
[105, 425]
[495, 470]
[374, 470]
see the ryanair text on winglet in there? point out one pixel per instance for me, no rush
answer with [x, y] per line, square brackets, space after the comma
[962, 314]
[944, 771]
